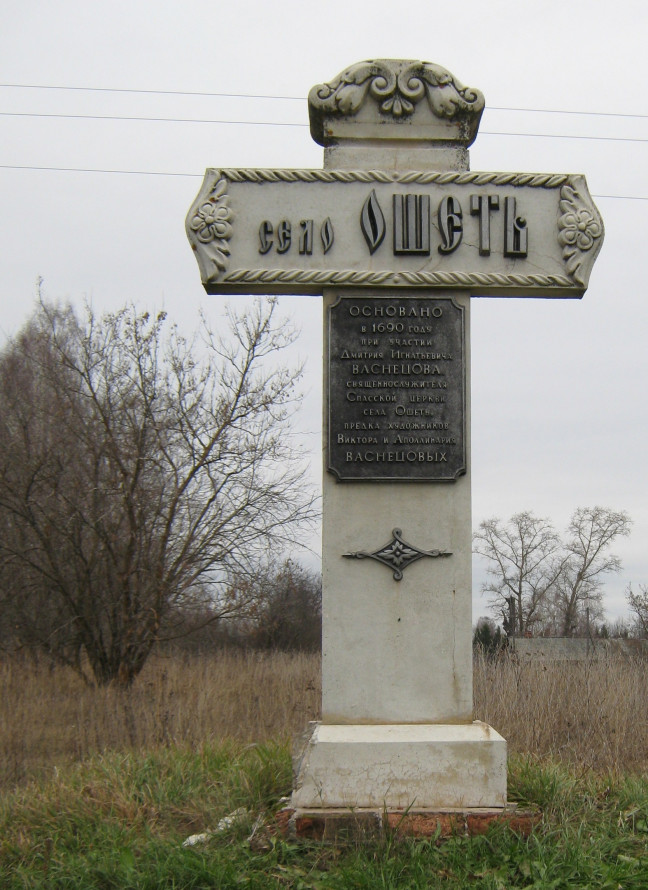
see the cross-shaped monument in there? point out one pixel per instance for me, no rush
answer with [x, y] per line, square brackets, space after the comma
[397, 234]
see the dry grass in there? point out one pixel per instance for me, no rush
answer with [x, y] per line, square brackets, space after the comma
[592, 715]
[49, 718]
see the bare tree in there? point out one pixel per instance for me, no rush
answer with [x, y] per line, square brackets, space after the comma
[553, 585]
[138, 472]
[638, 602]
[288, 612]
[577, 595]
[283, 611]
[524, 561]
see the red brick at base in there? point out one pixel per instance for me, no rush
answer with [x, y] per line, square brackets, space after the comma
[336, 826]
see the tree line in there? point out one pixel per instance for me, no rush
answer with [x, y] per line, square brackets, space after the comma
[150, 490]
[541, 582]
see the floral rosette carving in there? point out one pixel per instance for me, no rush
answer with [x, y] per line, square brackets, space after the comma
[209, 222]
[580, 230]
[397, 554]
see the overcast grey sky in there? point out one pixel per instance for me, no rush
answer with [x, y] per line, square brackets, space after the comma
[560, 413]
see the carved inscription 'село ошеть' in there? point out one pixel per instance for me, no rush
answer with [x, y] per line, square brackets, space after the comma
[283, 231]
[396, 389]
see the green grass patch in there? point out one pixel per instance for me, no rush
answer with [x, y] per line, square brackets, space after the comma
[118, 821]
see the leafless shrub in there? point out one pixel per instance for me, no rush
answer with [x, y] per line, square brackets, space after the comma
[138, 474]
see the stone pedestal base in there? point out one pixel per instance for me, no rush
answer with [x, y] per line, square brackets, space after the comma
[400, 766]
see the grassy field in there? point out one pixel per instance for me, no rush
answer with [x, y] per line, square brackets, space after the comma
[589, 715]
[100, 787]
[119, 821]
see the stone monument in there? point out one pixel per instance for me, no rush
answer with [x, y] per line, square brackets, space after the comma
[397, 234]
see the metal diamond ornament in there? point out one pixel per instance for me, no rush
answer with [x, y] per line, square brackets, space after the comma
[397, 554]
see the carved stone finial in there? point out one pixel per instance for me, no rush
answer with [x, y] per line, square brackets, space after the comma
[425, 98]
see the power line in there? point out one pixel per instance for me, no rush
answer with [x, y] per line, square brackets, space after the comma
[200, 176]
[563, 136]
[33, 86]
[564, 111]
[169, 120]
[619, 197]
[185, 120]
[97, 170]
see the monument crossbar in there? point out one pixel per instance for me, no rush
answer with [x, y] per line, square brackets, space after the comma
[255, 231]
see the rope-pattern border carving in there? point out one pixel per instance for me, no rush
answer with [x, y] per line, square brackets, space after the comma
[350, 277]
[529, 180]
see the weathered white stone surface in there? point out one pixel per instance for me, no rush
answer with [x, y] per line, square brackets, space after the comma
[397, 656]
[394, 766]
[397, 652]
[419, 110]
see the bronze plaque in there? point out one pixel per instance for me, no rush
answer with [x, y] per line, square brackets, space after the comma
[397, 390]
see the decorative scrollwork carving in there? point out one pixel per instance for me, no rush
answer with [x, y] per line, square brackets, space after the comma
[397, 86]
[397, 554]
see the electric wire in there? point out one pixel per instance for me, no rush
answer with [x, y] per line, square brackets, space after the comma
[200, 176]
[229, 122]
[170, 120]
[33, 86]
[186, 120]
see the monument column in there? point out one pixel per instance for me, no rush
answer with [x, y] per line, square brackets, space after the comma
[397, 234]
[397, 727]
